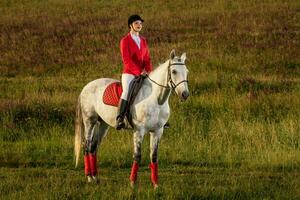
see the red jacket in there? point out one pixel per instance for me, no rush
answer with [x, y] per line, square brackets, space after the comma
[135, 60]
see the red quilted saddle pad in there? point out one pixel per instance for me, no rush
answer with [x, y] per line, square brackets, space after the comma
[112, 94]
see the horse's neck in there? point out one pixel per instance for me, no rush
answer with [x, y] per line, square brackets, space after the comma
[160, 76]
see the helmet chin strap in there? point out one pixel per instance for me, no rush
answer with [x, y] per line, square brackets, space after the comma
[134, 29]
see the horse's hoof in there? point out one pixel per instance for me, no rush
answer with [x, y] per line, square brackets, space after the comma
[155, 186]
[89, 179]
[95, 179]
[132, 184]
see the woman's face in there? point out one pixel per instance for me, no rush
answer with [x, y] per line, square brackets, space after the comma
[137, 25]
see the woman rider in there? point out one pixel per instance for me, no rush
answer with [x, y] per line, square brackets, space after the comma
[136, 61]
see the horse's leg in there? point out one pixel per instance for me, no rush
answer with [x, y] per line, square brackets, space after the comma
[89, 155]
[99, 131]
[137, 155]
[154, 141]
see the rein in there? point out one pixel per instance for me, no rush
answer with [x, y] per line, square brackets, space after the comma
[173, 85]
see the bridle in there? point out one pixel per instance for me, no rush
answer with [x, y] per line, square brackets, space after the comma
[169, 79]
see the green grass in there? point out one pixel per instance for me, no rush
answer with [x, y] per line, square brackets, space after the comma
[237, 136]
[176, 183]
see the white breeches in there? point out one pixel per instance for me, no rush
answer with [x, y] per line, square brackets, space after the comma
[126, 80]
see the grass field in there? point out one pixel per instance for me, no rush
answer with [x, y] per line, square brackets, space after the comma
[237, 137]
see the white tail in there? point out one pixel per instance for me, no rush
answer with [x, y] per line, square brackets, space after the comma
[78, 132]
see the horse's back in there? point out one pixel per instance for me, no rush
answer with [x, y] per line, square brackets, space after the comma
[95, 88]
[91, 100]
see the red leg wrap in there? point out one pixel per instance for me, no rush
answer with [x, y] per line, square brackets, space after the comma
[93, 164]
[87, 167]
[154, 172]
[134, 171]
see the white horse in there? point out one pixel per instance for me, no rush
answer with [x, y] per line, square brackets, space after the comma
[150, 111]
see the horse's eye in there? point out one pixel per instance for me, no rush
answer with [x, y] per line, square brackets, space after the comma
[174, 72]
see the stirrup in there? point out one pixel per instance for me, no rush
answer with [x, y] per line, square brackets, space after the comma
[120, 124]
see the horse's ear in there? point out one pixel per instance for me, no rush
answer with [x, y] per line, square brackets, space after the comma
[172, 54]
[183, 57]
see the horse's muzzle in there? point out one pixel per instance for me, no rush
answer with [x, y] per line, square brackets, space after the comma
[185, 95]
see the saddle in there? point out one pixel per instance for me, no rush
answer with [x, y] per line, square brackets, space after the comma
[112, 94]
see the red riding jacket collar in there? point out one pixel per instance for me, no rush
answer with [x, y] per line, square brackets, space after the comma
[135, 60]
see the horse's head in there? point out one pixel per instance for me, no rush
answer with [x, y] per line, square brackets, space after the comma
[177, 75]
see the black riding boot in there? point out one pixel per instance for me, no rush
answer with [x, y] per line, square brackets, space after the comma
[121, 114]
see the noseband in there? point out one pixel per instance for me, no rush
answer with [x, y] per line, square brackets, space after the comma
[173, 85]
